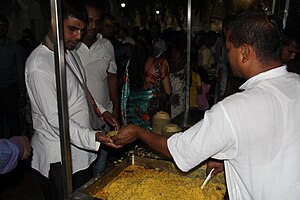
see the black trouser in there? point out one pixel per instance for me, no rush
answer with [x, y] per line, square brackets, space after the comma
[9, 111]
[52, 187]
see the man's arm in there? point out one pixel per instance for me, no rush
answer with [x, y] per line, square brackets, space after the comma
[112, 80]
[11, 150]
[130, 133]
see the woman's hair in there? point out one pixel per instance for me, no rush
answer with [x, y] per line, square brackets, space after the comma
[258, 30]
[136, 68]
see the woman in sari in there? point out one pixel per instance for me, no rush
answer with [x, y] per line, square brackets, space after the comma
[146, 86]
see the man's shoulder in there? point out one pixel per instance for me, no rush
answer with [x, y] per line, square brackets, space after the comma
[103, 41]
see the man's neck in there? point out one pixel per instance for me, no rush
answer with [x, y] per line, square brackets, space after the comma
[48, 42]
[89, 41]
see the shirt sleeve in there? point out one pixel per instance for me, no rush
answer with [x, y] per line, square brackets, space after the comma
[9, 154]
[211, 137]
[112, 60]
[44, 90]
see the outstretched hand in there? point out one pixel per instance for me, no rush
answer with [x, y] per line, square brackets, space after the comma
[104, 139]
[126, 135]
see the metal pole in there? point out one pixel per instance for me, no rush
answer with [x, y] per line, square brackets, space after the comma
[273, 7]
[63, 115]
[286, 13]
[188, 54]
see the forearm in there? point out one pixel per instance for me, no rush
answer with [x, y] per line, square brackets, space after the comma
[113, 91]
[157, 142]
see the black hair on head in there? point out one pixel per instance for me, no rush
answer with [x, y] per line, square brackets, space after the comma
[255, 28]
[74, 8]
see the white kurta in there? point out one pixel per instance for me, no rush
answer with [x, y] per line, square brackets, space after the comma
[41, 87]
[256, 133]
[97, 61]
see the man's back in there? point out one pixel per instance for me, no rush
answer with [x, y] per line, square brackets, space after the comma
[265, 125]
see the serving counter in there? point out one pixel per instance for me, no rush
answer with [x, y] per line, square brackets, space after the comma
[88, 190]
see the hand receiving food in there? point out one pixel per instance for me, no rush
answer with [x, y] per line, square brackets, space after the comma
[105, 139]
[126, 135]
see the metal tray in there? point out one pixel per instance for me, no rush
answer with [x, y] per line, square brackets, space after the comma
[95, 184]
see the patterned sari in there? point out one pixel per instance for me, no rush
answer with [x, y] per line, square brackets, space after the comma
[138, 107]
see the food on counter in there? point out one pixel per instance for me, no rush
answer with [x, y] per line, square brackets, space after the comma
[142, 183]
[112, 133]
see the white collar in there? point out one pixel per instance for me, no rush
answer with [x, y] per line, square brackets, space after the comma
[278, 71]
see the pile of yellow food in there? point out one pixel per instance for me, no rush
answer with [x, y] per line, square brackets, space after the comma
[112, 133]
[139, 183]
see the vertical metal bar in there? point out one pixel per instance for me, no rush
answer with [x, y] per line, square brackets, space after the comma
[273, 7]
[188, 54]
[63, 114]
[286, 13]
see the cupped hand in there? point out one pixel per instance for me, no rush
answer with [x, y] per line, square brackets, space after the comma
[126, 135]
[104, 139]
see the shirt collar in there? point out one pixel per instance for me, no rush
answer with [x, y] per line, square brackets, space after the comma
[276, 72]
[99, 36]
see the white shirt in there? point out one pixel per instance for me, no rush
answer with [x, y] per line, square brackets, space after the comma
[41, 87]
[256, 133]
[97, 61]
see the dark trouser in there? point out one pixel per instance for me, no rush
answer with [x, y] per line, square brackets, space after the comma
[52, 187]
[9, 111]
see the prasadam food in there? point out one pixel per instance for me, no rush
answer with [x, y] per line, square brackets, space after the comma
[112, 133]
[141, 183]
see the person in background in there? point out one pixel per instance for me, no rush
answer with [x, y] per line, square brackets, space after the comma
[41, 87]
[254, 147]
[12, 85]
[291, 47]
[123, 36]
[11, 151]
[159, 45]
[176, 58]
[195, 90]
[108, 29]
[98, 59]
[27, 41]
[147, 86]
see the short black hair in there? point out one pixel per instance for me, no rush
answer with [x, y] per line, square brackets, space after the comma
[74, 8]
[258, 30]
[93, 4]
[4, 19]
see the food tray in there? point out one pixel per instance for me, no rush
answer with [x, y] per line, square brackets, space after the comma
[95, 184]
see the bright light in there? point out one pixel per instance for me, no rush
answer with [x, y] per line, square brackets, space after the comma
[157, 12]
[123, 5]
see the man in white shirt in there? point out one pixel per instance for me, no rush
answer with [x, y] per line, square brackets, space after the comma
[255, 132]
[41, 87]
[98, 59]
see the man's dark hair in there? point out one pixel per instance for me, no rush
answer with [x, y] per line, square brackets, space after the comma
[93, 4]
[258, 30]
[4, 19]
[74, 8]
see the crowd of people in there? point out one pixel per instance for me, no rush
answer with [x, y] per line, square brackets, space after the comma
[119, 78]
